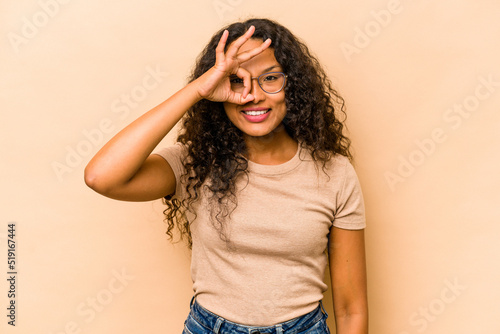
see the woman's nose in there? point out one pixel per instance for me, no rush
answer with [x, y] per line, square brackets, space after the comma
[256, 91]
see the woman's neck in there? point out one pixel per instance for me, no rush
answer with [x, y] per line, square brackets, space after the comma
[272, 149]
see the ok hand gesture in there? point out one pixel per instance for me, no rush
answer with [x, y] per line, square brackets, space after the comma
[214, 84]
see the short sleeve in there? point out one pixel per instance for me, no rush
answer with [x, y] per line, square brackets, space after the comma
[350, 210]
[174, 155]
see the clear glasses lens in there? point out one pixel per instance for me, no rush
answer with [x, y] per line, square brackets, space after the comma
[271, 83]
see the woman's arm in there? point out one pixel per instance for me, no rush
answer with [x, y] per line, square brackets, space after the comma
[124, 168]
[348, 273]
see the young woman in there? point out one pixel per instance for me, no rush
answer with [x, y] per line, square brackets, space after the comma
[259, 182]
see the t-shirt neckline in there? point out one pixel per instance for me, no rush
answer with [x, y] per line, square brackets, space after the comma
[285, 167]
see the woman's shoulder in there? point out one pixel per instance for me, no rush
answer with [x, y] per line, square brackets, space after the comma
[335, 168]
[175, 155]
[332, 161]
[340, 165]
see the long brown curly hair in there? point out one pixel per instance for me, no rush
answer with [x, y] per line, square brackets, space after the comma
[215, 146]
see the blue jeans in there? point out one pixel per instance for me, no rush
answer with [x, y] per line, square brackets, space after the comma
[202, 321]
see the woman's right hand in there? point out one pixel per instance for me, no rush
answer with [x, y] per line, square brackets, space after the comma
[214, 84]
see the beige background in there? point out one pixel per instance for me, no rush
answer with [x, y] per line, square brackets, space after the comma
[422, 84]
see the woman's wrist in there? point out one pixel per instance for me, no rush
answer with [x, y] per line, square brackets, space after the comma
[192, 89]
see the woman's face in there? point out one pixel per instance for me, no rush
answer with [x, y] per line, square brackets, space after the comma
[266, 112]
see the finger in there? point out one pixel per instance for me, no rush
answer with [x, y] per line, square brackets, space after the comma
[234, 47]
[219, 50]
[247, 81]
[247, 55]
[238, 98]
[247, 99]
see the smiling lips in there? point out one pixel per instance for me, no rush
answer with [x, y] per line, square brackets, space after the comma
[255, 115]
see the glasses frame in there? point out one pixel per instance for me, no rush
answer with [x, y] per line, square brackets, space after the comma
[285, 77]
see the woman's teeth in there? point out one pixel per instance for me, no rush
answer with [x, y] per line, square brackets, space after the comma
[255, 113]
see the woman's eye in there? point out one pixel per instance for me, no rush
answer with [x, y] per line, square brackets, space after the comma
[236, 81]
[270, 78]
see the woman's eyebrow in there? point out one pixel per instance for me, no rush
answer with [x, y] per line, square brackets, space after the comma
[270, 68]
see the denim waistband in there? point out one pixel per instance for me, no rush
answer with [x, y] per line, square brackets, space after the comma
[219, 325]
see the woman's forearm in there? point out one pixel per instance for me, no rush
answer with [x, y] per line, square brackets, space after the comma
[348, 274]
[356, 323]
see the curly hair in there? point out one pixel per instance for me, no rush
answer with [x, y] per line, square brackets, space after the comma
[216, 148]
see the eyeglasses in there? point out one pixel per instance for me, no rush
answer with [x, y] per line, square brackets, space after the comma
[271, 82]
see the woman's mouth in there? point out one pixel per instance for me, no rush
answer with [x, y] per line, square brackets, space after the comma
[255, 115]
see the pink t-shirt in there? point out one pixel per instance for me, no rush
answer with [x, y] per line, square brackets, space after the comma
[280, 230]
